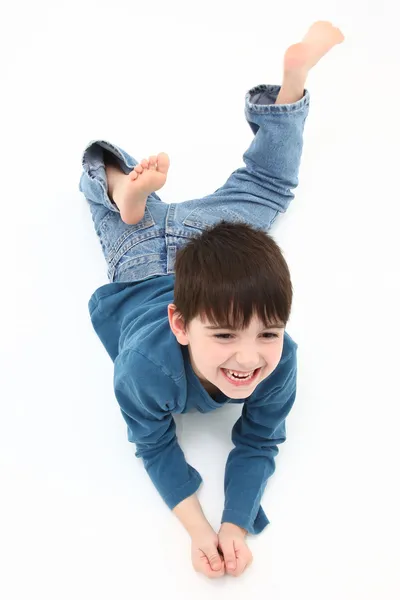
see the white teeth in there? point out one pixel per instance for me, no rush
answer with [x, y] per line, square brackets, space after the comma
[241, 376]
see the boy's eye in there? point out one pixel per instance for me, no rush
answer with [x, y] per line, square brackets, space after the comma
[226, 336]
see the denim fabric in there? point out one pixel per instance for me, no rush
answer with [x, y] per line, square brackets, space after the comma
[153, 377]
[254, 194]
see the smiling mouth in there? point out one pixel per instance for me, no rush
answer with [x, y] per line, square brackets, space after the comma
[240, 381]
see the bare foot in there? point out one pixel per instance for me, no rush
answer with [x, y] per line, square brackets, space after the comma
[131, 191]
[319, 39]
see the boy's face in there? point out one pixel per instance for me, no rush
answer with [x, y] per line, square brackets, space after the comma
[255, 351]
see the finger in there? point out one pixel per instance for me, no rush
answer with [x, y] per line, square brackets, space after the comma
[211, 554]
[241, 566]
[244, 560]
[206, 569]
[228, 551]
[213, 558]
[214, 574]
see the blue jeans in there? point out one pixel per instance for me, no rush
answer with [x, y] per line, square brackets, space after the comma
[255, 194]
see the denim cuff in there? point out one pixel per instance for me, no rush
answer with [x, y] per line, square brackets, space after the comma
[93, 157]
[94, 169]
[261, 98]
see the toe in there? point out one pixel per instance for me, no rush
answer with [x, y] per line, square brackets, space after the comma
[133, 175]
[145, 163]
[163, 162]
[153, 162]
[139, 169]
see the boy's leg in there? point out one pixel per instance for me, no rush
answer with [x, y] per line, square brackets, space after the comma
[300, 58]
[258, 192]
[101, 158]
[124, 245]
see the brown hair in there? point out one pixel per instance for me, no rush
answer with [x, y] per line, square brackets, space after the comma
[229, 273]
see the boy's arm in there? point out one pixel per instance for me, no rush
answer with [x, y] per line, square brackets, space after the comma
[146, 395]
[255, 436]
[190, 514]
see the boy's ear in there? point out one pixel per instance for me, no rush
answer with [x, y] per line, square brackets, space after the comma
[176, 324]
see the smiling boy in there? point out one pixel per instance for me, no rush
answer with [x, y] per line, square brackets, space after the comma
[198, 299]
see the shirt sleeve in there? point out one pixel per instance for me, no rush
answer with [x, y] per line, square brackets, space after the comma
[146, 395]
[255, 437]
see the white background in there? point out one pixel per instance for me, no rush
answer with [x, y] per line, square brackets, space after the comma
[79, 517]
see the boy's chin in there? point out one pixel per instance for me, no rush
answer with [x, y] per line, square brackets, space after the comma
[238, 393]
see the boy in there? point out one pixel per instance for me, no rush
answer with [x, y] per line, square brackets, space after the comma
[195, 312]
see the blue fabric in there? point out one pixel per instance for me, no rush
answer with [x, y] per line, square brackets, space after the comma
[255, 194]
[153, 377]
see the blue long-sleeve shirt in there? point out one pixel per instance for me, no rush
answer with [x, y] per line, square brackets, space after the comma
[153, 379]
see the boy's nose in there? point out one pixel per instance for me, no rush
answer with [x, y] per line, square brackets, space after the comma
[247, 362]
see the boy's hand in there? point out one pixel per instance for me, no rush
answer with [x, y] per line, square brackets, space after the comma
[236, 553]
[205, 556]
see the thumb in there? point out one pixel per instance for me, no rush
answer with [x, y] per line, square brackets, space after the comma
[213, 557]
[229, 555]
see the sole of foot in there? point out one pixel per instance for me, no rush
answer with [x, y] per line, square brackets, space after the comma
[132, 191]
[320, 38]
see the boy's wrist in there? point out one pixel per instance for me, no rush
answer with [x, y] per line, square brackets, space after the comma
[231, 527]
[191, 515]
[200, 529]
